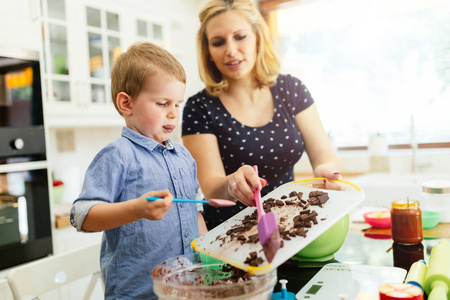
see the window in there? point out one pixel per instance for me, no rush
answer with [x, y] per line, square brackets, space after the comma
[373, 67]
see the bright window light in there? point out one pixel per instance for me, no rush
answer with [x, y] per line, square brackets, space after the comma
[373, 67]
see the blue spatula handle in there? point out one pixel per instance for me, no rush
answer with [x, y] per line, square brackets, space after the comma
[179, 200]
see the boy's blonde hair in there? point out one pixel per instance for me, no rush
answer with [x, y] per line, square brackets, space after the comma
[141, 61]
[267, 65]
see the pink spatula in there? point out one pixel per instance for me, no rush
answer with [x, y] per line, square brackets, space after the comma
[212, 202]
[268, 233]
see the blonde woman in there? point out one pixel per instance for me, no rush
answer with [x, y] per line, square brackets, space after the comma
[248, 114]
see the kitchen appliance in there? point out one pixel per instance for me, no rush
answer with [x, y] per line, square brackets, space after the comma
[217, 244]
[353, 281]
[25, 223]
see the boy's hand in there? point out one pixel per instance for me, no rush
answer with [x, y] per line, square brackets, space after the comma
[155, 210]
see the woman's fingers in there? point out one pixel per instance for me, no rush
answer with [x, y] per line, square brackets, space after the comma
[242, 184]
[332, 186]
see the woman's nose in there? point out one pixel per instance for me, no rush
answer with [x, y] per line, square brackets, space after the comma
[231, 49]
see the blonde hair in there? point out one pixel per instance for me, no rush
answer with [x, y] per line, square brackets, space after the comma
[267, 65]
[141, 61]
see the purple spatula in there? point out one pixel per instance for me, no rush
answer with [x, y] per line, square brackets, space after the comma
[268, 233]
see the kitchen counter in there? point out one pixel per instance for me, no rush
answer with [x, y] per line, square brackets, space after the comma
[362, 248]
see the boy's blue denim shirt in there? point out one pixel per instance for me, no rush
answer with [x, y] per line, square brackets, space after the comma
[126, 169]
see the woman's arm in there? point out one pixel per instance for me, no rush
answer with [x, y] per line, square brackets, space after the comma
[323, 157]
[202, 229]
[211, 173]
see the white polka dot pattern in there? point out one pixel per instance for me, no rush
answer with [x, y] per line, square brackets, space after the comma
[274, 147]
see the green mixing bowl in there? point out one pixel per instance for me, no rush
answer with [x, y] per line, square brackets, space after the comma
[430, 219]
[327, 244]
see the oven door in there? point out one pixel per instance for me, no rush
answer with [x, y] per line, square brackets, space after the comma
[25, 222]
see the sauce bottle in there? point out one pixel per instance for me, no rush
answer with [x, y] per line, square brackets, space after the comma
[406, 255]
[406, 222]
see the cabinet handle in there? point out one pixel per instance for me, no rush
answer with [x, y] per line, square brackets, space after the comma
[35, 9]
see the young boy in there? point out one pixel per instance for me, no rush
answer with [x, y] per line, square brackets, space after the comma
[148, 85]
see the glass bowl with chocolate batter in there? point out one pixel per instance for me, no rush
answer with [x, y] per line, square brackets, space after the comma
[198, 276]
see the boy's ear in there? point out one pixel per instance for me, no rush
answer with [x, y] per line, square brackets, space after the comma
[124, 103]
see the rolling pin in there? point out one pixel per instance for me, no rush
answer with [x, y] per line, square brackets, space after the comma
[437, 279]
[417, 273]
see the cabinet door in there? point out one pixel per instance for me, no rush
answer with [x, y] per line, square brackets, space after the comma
[57, 82]
[104, 46]
[80, 43]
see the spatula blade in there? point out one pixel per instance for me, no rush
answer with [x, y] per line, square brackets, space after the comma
[221, 202]
[269, 235]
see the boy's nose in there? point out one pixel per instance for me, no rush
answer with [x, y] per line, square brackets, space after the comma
[173, 113]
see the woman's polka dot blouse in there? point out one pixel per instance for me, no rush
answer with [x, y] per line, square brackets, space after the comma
[274, 147]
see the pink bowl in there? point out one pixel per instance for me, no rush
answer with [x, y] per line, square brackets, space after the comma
[378, 219]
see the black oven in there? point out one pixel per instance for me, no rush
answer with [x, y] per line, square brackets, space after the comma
[25, 220]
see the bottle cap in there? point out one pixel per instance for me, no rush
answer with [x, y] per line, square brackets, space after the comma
[436, 187]
[284, 294]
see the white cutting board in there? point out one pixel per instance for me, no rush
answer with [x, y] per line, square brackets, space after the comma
[346, 281]
[340, 203]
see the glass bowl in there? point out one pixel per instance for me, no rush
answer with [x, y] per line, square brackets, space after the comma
[198, 276]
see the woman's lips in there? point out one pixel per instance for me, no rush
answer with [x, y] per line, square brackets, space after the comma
[234, 64]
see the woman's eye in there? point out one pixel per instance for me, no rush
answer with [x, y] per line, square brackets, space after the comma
[240, 37]
[218, 43]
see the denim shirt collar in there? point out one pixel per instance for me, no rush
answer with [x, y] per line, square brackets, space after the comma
[147, 142]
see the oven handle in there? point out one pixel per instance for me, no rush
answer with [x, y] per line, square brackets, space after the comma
[25, 166]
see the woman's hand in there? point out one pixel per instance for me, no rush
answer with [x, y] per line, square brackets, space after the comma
[242, 183]
[327, 171]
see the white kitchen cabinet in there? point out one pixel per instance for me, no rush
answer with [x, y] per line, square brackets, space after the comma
[81, 40]
[19, 24]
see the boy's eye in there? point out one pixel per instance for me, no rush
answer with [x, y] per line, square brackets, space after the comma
[161, 103]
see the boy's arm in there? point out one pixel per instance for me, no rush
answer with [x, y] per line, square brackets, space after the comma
[201, 225]
[111, 215]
